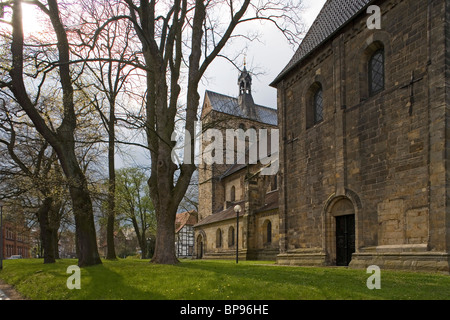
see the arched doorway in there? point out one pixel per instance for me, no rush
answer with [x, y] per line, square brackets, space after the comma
[341, 235]
[267, 234]
[200, 244]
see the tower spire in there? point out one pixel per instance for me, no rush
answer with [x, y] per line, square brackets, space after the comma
[245, 92]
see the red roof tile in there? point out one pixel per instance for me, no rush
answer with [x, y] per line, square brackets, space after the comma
[188, 218]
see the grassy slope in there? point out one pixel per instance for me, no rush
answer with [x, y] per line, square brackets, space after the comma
[215, 280]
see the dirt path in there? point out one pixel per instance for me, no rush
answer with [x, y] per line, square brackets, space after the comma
[9, 291]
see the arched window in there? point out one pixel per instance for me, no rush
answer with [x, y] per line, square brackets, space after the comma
[231, 237]
[267, 232]
[376, 72]
[233, 194]
[218, 238]
[318, 106]
[315, 105]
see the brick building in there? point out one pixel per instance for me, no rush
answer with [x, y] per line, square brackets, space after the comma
[16, 240]
[363, 117]
[223, 186]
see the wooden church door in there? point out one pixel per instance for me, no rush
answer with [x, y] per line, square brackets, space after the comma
[345, 239]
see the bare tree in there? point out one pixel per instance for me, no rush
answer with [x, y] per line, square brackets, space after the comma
[62, 138]
[179, 41]
[33, 169]
[108, 78]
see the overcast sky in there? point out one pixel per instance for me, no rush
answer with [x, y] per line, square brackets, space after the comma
[268, 57]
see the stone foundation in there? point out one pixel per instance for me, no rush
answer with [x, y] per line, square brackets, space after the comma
[402, 257]
[303, 257]
[268, 255]
[393, 257]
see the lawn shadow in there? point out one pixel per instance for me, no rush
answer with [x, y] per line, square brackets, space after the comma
[103, 283]
[307, 282]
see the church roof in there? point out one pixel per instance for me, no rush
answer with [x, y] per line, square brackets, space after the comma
[222, 215]
[241, 164]
[229, 105]
[334, 15]
[270, 203]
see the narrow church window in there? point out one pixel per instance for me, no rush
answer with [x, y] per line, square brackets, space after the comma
[376, 72]
[231, 237]
[314, 106]
[318, 106]
[218, 238]
[268, 232]
[233, 194]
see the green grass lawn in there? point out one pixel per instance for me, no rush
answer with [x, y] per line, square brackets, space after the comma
[215, 280]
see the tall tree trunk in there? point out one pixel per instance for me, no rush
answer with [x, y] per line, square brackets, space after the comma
[56, 244]
[140, 237]
[166, 207]
[46, 230]
[82, 210]
[85, 227]
[110, 248]
[144, 248]
[165, 239]
[55, 223]
[49, 222]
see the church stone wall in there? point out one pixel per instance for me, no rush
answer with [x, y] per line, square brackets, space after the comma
[386, 153]
[269, 250]
[215, 235]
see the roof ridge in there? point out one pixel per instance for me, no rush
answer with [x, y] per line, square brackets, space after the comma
[265, 107]
[334, 15]
[230, 105]
[220, 94]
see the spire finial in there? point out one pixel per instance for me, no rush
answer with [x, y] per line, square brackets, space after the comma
[245, 61]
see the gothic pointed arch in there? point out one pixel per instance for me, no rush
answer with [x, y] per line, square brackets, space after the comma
[200, 244]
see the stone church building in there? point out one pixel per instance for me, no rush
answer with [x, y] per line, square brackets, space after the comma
[224, 186]
[364, 138]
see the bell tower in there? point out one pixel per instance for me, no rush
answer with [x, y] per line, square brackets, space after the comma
[246, 103]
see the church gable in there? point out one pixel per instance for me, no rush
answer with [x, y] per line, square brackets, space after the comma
[230, 106]
[242, 106]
